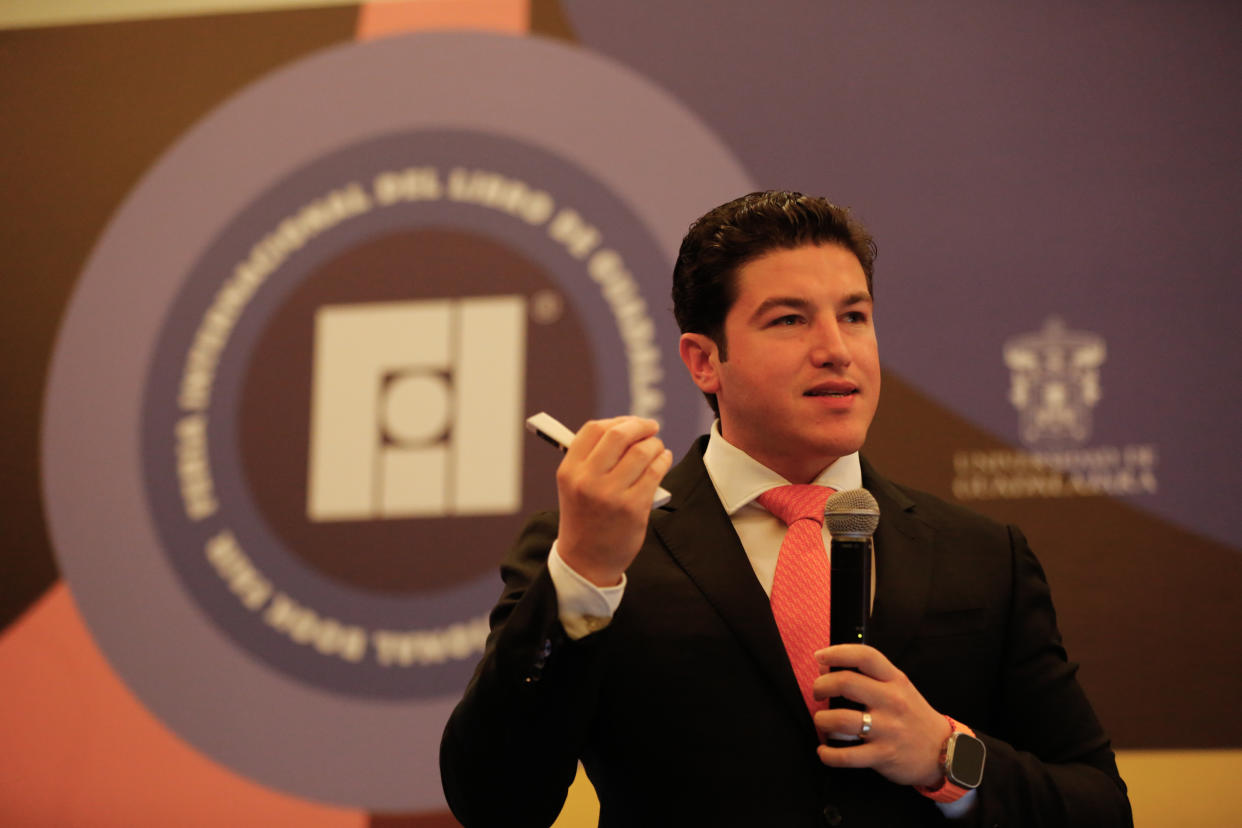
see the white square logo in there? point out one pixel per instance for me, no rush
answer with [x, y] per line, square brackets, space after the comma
[416, 409]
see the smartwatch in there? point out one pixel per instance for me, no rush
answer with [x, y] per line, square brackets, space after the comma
[961, 758]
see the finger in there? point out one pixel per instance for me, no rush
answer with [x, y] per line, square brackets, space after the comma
[861, 657]
[636, 461]
[661, 466]
[616, 440]
[852, 685]
[586, 438]
[645, 486]
[842, 722]
[864, 755]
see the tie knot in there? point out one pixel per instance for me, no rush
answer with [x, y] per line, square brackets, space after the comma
[797, 502]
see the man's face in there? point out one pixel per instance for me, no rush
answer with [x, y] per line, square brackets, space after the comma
[802, 378]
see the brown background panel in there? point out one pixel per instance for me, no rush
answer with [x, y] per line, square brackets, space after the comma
[547, 18]
[86, 110]
[1149, 609]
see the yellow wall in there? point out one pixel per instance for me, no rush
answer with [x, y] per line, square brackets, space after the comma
[1182, 788]
[1190, 788]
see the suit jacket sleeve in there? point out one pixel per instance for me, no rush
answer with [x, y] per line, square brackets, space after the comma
[964, 609]
[1049, 761]
[510, 749]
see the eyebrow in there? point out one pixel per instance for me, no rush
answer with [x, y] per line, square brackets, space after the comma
[799, 303]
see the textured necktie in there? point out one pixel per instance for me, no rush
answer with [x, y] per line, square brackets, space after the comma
[800, 589]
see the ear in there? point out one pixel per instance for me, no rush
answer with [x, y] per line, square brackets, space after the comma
[700, 355]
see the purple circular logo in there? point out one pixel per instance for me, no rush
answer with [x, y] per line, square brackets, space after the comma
[283, 447]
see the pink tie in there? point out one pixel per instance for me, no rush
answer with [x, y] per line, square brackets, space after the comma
[800, 590]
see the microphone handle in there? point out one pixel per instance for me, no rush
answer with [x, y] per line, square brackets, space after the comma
[850, 599]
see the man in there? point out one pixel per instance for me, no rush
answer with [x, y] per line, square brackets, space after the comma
[645, 643]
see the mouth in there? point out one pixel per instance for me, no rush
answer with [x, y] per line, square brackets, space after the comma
[832, 390]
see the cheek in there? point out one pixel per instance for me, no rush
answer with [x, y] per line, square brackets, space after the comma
[869, 359]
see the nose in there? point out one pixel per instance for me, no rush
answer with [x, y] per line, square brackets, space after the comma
[829, 347]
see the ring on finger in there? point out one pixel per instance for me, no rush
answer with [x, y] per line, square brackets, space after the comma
[866, 725]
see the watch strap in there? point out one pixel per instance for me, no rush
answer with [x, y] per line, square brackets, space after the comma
[947, 791]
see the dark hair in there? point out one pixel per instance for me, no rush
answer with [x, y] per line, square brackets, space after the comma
[720, 243]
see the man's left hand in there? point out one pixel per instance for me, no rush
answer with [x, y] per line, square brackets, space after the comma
[906, 732]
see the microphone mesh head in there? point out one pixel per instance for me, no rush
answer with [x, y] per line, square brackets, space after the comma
[852, 512]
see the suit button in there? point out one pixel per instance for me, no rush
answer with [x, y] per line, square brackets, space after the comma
[832, 816]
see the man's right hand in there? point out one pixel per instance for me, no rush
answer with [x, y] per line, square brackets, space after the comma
[605, 485]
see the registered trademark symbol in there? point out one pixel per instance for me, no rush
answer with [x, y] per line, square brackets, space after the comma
[547, 306]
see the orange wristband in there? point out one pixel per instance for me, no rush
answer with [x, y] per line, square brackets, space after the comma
[947, 791]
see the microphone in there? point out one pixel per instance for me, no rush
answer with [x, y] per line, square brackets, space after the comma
[851, 517]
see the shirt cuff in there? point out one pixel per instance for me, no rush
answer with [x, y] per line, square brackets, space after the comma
[582, 607]
[958, 808]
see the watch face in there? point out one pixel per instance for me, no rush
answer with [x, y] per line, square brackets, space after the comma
[965, 760]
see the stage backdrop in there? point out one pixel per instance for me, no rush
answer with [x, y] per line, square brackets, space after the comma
[280, 286]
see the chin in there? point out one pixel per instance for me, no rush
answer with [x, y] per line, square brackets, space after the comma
[841, 445]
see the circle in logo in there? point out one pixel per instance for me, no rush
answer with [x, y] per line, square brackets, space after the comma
[290, 378]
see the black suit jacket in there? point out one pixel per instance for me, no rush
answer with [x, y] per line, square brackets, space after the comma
[685, 711]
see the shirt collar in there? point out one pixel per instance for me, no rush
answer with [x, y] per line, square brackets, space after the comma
[740, 478]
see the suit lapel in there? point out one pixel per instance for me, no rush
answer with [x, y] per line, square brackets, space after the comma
[699, 537]
[903, 553]
[697, 532]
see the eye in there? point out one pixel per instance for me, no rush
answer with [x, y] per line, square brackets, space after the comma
[855, 317]
[786, 321]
